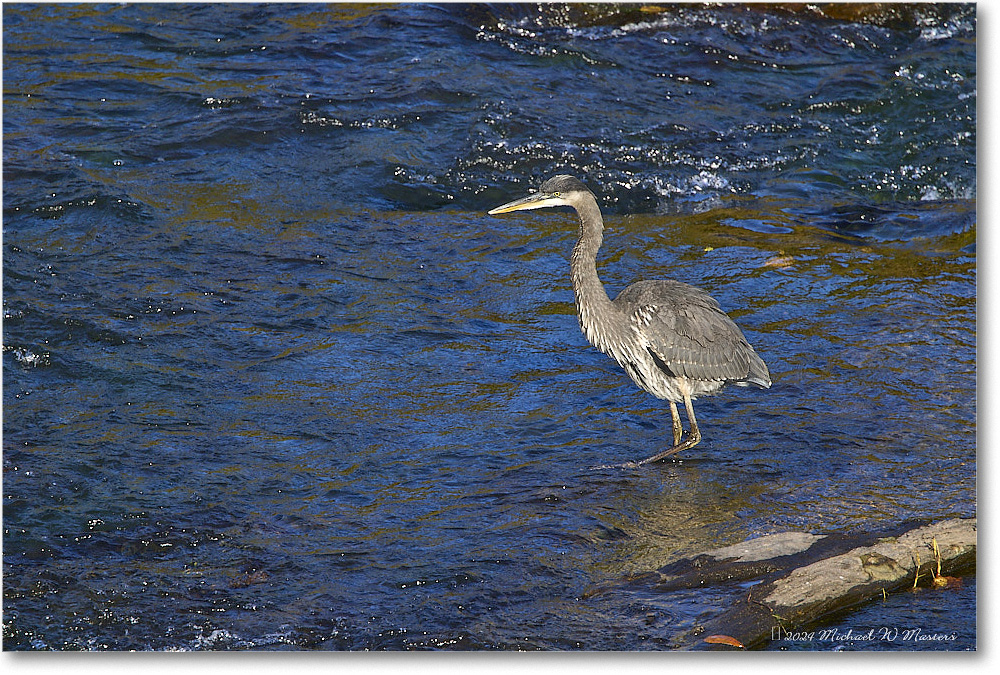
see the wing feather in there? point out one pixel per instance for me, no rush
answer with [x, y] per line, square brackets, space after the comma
[689, 335]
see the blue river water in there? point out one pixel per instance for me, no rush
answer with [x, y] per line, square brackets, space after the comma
[273, 379]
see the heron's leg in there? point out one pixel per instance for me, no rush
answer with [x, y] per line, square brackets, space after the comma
[694, 436]
[678, 429]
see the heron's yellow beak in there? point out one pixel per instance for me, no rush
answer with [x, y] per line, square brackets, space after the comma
[538, 200]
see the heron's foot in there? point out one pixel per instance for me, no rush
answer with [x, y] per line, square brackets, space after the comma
[623, 465]
[691, 441]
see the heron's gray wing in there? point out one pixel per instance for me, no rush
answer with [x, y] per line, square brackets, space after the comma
[688, 334]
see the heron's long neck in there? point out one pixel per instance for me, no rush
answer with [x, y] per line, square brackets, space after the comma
[592, 302]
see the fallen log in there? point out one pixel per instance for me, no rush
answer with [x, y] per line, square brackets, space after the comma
[804, 578]
[806, 594]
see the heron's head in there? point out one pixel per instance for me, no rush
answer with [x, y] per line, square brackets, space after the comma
[556, 191]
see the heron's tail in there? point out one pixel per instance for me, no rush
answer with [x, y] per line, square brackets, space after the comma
[758, 374]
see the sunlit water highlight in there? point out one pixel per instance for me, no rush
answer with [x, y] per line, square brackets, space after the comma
[273, 379]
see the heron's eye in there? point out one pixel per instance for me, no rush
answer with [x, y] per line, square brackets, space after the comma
[556, 194]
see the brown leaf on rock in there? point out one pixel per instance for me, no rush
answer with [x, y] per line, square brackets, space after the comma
[724, 640]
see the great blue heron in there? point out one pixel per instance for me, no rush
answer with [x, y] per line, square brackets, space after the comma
[672, 338]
